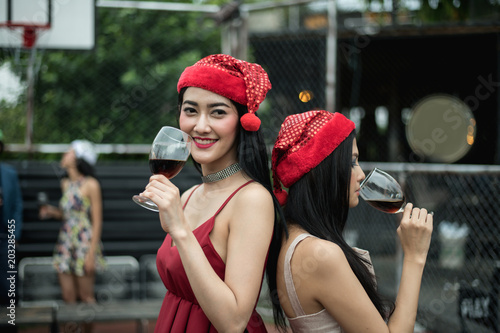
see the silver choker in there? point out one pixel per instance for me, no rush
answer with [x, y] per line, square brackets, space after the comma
[219, 175]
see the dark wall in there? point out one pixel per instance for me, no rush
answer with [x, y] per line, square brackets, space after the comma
[398, 72]
[395, 72]
[128, 229]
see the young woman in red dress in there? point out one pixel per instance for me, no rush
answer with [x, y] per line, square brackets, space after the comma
[214, 255]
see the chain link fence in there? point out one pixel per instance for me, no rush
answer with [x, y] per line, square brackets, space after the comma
[460, 283]
[106, 97]
[125, 87]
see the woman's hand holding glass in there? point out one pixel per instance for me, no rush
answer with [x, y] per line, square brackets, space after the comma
[383, 192]
[415, 231]
[166, 196]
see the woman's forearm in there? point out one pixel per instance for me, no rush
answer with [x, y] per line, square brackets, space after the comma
[55, 212]
[217, 300]
[405, 313]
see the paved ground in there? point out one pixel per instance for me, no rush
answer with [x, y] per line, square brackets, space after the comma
[438, 312]
[115, 327]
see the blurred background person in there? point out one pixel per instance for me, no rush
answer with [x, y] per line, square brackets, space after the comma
[78, 251]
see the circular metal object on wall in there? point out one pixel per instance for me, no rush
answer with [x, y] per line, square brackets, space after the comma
[441, 129]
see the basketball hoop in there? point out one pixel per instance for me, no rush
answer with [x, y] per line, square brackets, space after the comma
[28, 18]
[28, 28]
[29, 37]
[29, 32]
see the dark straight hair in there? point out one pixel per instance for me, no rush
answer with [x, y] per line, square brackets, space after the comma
[254, 160]
[319, 203]
[85, 168]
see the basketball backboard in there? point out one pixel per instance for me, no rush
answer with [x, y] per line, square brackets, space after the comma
[58, 24]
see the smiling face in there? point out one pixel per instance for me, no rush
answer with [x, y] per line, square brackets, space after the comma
[212, 121]
[357, 176]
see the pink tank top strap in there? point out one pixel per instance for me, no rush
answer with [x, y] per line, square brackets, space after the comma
[290, 288]
[190, 194]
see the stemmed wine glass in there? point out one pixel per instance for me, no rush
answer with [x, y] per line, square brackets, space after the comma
[383, 192]
[169, 152]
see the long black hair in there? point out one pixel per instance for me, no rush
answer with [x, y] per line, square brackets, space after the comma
[253, 158]
[319, 203]
[85, 168]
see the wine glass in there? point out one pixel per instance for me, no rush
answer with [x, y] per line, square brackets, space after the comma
[383, 192]
[169, 152]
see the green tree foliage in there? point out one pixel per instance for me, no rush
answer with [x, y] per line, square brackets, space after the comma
[124, 89]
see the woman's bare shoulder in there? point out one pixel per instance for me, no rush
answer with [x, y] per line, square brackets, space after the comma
[254, 195]
[253, 205]
[325, 256]
[188, 192]
[90, 187]
[91, 184]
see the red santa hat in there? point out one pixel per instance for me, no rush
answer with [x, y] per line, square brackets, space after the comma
[240, 81]
[304, 141]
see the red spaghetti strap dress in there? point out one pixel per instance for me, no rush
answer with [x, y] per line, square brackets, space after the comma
[180, 311]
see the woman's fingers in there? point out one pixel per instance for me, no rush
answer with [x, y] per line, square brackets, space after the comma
[159, 179]
[158, 182]
[162, 192]
[411, 213]
[419, 214]
[407, 211]
[415, 232]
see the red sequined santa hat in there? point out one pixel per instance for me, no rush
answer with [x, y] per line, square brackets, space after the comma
[304, 140]
[238, 80]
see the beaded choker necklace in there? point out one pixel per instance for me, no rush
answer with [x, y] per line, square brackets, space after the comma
[219, 175]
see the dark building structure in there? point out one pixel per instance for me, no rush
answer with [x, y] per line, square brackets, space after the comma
[393, 67]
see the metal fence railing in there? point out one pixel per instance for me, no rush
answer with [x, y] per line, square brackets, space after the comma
[126, 86]
[465, 246]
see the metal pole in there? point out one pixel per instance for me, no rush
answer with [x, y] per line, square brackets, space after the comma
[243, 36]
[225, 36]
[157, 5]
[30, 105]
[497, 153]
[331, 56]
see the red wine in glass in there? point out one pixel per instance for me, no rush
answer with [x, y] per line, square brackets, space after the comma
[383, 192]
[169, 152]
[168, 168]
[387, 205]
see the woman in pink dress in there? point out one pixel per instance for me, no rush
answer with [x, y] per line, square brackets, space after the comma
[213, 258]
[324, 285]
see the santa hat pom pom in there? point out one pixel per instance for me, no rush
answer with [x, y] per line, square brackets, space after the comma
[250, 122]
[281, 196]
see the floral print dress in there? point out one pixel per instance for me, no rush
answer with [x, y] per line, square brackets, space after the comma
[75, 234]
